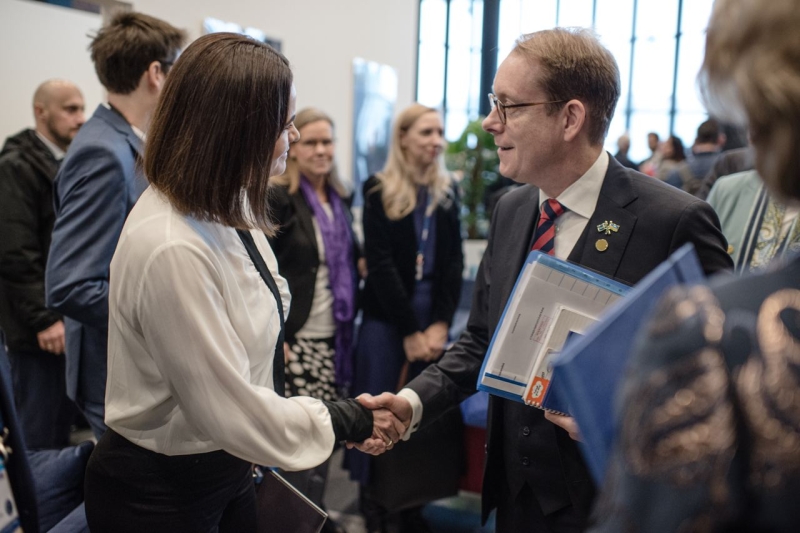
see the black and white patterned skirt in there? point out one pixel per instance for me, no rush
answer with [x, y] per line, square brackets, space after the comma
[310, 370]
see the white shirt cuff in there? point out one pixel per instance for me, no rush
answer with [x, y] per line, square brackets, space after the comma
[416, 411]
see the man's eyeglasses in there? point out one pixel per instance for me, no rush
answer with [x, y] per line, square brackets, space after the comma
[501, 107]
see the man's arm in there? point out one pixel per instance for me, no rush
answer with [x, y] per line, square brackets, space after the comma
[699, 225]
[91, 210]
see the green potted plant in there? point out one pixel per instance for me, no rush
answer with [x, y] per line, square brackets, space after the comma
[474, 157]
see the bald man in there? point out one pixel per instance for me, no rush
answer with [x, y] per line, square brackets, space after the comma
[35, 335]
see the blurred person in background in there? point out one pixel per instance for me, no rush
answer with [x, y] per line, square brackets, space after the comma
[29, 162]
[672, 158]
[95, 189]
[623, 145]
[710, 417]
[317, 253]
[412, 244]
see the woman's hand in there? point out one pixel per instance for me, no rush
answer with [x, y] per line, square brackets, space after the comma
[416, 347]
[436, 339]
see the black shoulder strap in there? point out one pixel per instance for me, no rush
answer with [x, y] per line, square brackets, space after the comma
[278, 370]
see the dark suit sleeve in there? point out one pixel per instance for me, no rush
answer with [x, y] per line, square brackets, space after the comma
[699, 225]
[21, 252]
[449, 289]
[382, 271]
[91, 210]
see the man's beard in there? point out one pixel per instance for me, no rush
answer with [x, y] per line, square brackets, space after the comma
[61, 139]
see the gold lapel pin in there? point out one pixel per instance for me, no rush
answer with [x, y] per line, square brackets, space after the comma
[601, 245]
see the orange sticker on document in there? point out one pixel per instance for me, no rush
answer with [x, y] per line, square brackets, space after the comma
[537, 391]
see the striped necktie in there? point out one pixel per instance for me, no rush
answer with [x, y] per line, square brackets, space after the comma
[545, 236]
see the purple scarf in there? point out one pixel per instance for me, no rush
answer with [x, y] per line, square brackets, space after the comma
[336, 237]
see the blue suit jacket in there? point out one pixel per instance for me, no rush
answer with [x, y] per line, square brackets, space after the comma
[95, 189]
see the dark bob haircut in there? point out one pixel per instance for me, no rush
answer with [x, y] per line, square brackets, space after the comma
[222, 110]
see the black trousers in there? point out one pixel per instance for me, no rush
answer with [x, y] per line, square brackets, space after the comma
[131, 489]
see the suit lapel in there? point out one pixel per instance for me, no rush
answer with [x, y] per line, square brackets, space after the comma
[121, 125]
[615, 194]
[304, 216]
[526, 217]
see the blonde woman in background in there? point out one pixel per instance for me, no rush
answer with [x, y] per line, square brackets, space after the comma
[412, 245]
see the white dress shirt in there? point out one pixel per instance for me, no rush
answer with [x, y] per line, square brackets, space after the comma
[191, 340]
[580, 199]
[57, 152]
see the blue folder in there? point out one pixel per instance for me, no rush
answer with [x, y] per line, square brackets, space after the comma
[589, 371]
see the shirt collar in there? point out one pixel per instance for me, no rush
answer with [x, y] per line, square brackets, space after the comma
[139, 133]
[581, 197]
[57, 152]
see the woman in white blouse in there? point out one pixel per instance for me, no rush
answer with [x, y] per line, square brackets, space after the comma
[195, 364]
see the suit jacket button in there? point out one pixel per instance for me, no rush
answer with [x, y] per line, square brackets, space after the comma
[526, 431]
[526, 461]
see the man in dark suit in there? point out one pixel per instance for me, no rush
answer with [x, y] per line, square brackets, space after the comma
[94, 191]
[555, 97]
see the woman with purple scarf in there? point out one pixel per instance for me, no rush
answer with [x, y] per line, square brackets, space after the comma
[317, 254]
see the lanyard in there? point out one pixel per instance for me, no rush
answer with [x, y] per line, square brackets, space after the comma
[426, 226]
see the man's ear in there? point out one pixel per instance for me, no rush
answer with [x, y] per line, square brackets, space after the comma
[39, 111]
[155, 76]
[574, 119]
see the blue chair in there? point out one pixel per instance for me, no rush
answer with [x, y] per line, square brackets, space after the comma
[47, 484]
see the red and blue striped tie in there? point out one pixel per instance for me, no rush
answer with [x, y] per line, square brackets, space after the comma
[545, 236]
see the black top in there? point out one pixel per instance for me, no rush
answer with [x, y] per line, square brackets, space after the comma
[390, 247]
[27, 169]
[295, 247]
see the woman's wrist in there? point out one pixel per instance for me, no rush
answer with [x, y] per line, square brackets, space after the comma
[351, 421]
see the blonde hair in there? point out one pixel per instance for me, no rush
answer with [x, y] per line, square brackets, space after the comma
[575, 66]
[751, 75]
[396, 182]
[291, 176]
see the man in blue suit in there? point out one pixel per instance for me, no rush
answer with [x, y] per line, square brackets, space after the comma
[95, 189]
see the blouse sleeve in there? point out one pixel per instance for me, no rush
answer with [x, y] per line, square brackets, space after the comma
[184, 318]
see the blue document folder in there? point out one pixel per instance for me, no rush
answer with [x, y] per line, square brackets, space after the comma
[588, 372]
[546, 289]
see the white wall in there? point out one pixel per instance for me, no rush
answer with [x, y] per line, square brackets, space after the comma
[320, 38]
[40, 42]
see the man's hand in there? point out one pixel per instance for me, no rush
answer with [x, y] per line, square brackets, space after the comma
[565, 422]
[52, 339]
[436, 337]
[391, 415]
[416, 347]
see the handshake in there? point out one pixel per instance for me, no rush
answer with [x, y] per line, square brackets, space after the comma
[391, 418]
